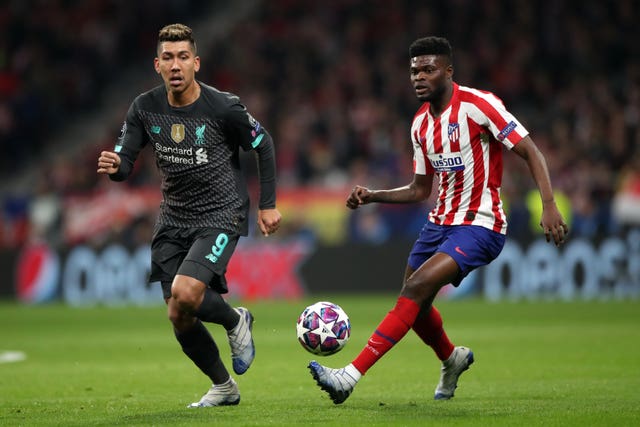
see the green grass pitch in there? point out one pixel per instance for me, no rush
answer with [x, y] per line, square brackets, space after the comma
[537, 364]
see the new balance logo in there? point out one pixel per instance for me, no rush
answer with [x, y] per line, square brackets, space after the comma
[201, 156]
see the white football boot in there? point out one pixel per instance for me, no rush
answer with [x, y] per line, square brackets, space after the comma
[452, 368]
[219, 395]
[339, 383]
[241, 342]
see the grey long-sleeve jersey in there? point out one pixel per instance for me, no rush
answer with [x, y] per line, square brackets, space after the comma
[197, 152]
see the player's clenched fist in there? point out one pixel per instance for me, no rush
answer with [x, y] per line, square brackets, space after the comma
[108, 162]
[269, 221]
[359, 196]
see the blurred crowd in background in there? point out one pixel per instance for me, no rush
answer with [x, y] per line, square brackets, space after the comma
[330, 81]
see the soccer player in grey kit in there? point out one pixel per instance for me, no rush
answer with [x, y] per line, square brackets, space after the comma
[195, 132]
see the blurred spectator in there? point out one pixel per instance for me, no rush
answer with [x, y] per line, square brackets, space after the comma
[368, 226]
[331, 80]
[45, 213]
[627, 198]
[57, 56]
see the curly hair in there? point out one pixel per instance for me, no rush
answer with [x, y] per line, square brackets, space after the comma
[431, 46]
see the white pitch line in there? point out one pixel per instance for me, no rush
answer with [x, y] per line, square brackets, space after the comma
[12, 356]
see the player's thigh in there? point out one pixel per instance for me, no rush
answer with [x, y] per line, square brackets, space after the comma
[423, 285]
[169, 247]
[429, 240]
[471, 247]
[208, 258]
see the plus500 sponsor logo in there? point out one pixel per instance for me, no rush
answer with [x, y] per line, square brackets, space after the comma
[446, 162]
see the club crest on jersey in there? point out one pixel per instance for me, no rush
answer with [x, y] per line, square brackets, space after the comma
[200, 134]
[446, 162]
[453, 130]
[177, 132]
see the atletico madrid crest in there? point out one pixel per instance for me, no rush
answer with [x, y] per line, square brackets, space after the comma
[454, 132]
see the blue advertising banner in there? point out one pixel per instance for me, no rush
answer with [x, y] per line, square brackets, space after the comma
[115, 274]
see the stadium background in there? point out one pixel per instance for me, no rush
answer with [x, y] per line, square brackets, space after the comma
[330, 82]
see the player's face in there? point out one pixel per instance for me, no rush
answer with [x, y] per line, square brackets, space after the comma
[430, 76]
[177, 64]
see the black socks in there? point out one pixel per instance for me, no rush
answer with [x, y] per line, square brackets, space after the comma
[200, 347]
[215, 309]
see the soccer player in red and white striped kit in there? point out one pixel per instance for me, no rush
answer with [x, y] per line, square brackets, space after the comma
[458, 134]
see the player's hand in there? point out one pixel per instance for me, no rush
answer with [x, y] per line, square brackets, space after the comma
[108, 162]
[359, 196]
[553, 225]
[269, 221]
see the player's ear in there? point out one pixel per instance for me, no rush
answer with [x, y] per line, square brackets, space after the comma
[196, 63]
[156, 64]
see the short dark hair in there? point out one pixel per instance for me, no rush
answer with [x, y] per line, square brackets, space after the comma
[431, 45]
[177, 33]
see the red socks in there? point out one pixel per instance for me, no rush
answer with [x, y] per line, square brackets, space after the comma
[393, 327]
[406, 314]
[429, 329]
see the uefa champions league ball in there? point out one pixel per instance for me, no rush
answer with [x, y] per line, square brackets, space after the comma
[323, 328]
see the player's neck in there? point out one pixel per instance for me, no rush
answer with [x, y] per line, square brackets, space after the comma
[438, 106]
[186, 97]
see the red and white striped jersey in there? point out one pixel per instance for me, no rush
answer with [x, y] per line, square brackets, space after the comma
[462, 147]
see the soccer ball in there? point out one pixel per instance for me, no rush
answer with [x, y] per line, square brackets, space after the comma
[323, 328]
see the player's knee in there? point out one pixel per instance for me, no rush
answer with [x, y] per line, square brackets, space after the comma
[187, 295]
[176, 317]
[180, 319]
[412, 295]
[419, 291]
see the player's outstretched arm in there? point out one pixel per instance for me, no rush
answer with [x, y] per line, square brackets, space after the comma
[551, 222]
[417, 191]
[359, 196]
